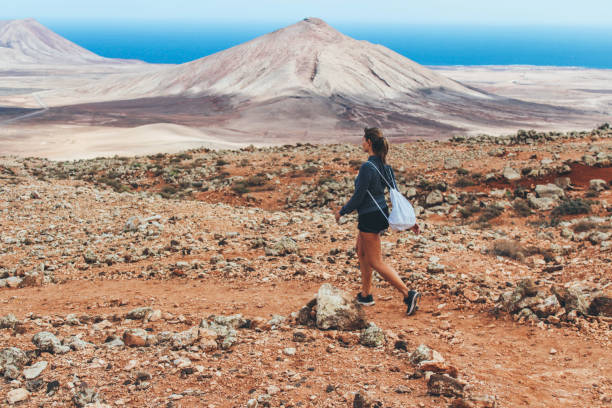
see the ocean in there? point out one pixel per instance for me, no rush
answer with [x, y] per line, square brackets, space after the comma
[175, 43]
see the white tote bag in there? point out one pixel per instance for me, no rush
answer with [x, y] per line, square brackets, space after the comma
[402, 215]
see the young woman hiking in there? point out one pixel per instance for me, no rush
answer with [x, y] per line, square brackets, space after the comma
[374, 175]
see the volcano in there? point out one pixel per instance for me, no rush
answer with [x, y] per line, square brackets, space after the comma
[306, 79]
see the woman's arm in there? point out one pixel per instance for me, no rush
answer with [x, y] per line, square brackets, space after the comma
[361, 188]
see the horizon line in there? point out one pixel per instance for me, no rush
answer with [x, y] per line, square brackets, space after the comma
[332, 22]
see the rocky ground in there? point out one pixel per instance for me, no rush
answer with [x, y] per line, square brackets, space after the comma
[220, 279]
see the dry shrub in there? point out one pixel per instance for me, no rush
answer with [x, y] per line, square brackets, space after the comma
[583, 226]
[509, 248]
[522, 208]
[464, 182]
[489, 213]
[572, 207]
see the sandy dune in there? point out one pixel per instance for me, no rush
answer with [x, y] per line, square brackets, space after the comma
[83, 142]
[588, 89]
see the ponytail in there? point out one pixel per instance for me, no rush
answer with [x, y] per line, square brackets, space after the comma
[380, 145]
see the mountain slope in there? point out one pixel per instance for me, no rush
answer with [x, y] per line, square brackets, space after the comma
[29, 42]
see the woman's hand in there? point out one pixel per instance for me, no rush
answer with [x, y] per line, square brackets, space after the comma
[336, 211]
[337, 215]
[416, 229]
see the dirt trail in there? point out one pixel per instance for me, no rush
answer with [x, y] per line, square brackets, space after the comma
[491, 352]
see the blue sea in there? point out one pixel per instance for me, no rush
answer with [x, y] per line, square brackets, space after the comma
[179, 42]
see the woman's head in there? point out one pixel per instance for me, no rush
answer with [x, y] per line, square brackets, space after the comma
[374, 138]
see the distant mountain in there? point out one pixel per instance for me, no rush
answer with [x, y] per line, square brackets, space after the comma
[29, 42]
[306, 79]
[308, 57]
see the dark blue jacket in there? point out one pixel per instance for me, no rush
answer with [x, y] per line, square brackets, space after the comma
[368, 179]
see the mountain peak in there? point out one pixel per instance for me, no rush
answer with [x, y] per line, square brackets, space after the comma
[316, 21]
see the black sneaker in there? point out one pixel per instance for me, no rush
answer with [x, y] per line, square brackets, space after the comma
[411, 301]
[365, 301]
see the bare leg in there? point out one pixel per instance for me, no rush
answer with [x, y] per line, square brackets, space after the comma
[364, 266]
[370, 242]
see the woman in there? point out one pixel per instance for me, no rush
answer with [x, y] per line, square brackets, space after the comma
[369, 201]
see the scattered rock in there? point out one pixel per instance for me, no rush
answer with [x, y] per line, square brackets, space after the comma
[17, 395]
[549, 191]
[598, 185]
[441, 384]
[289, 351]
[451, 163]
[601, 306]
[372, 336]
[363, 400]
[139, 313]
[138, 338]
[424, 354]
[572, 298]
[46, 341]
[283, 246]
[510, 174]
[434, 198]
[8, 322]
[85, 395]
[35, 370]
[435, 268]
[13, 356]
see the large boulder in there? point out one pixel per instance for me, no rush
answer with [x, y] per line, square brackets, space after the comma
[549, 191]
[333, 309]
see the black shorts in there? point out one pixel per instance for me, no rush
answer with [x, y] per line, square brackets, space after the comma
[373, 221]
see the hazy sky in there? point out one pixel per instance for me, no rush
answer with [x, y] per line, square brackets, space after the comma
[564, 12]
